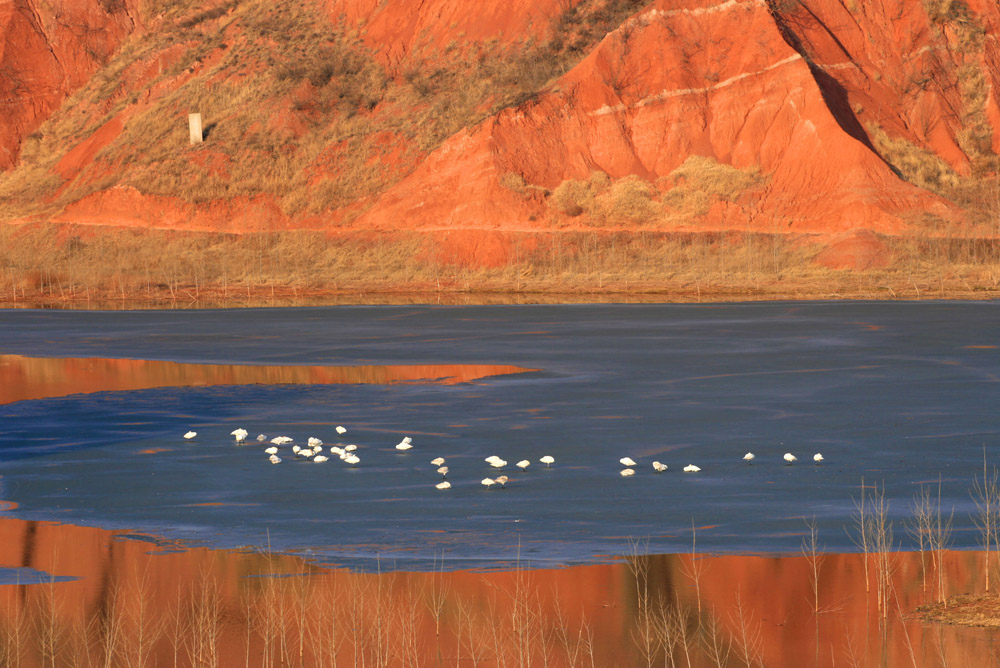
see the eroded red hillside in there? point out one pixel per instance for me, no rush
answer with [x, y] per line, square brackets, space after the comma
[357, 115]
[47, 51]
[668, 84]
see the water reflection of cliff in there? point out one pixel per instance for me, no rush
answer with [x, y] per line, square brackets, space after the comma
[144, 604]
[23, 378]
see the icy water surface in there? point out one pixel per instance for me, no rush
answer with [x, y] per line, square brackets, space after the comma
[895, 393]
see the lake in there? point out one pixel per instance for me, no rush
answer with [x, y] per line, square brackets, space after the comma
[901, 395]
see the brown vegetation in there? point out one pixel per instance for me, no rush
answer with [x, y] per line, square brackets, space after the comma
[72, 266]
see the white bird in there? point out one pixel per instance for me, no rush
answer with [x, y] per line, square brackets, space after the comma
[523, 464]
[627, 472]
[403, 447]
[334, 450]
[296, 449]
[275, 459]
[261, 438]
[658, 467]
[790, 458]
[749, 457]
[443, 470]
[437, 461]
[191, 434]
[273, 450]
[281, 440]
[240, 434]
[353, 460]
[320, 459]
[498, 463]
[340, 430]
[350, 448]
[501, 480]
[817, 458]
[443, 485]
[547, 460]
[691, 468]
[313, 442]
[491, 459]
[307, 453]
[487, 482]
[627, 461]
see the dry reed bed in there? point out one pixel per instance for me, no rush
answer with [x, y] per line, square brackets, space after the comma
[76, 265]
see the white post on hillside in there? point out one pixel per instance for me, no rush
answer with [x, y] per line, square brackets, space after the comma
[194, 125]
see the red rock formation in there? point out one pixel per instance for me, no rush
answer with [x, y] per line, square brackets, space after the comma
[47, 50]
[899, 67]
[678, 79]
[395, 30]
[668, 84]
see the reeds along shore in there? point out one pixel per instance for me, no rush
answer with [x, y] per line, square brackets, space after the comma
[136, 606]
[74, 266]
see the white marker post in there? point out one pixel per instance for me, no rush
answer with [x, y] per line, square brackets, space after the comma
[194, 125]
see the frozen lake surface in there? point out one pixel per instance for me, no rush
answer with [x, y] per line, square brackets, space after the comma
[895, 393]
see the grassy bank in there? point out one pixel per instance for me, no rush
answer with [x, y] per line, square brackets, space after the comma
[47, 265]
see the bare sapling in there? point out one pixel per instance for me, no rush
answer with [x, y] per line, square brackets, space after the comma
[861, 535]
[695, 568]
[905, 632]
[407, 644]
[573, 642]
[476, 644]
[940, 539]
[15, 633]
[884, 543]
[748, 635]
[985, 493]
[813, 553]
[145, 627]
[177, 624]
[685, 637]
[920, 525]
[667, 622]
[716, 644]
[206, 623]
[435, 599]
[324, 629]
[302, 589]
[645, 635]
[643, 631]
[49, 631]
[500, 636]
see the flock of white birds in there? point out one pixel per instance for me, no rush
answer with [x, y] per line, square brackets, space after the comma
[347, 453]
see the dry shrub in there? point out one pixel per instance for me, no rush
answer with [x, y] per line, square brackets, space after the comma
[630, 200]
[572, 197]
[701, 181]
[917, 165]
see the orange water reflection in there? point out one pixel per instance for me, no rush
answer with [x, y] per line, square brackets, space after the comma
[208, 607]
[23, 378]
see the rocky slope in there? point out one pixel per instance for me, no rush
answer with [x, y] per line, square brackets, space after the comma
[470, 124]
[47, 51]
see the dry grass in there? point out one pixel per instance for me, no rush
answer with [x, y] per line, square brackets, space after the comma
[48, 263]
[964, 610]
[690, 191]
[917, 165]
[702, 181]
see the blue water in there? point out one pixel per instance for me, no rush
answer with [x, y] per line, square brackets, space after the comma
[901, 394]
